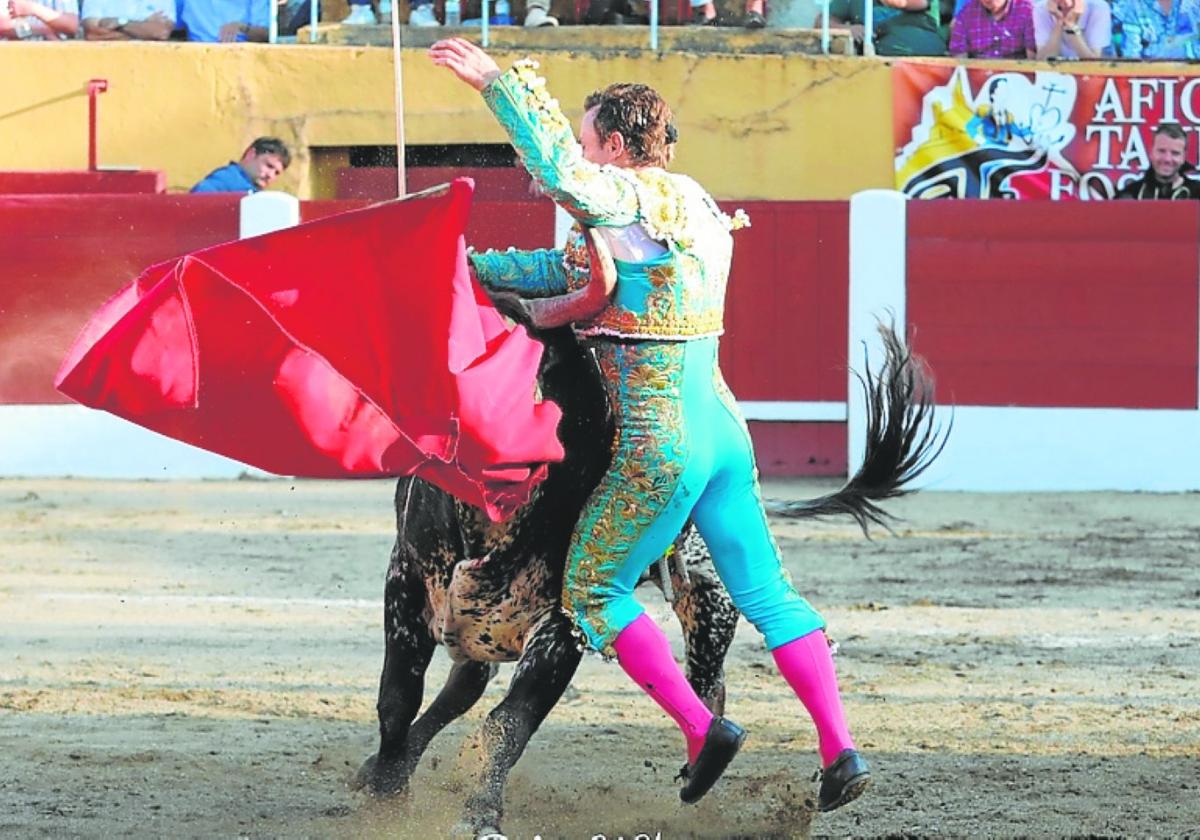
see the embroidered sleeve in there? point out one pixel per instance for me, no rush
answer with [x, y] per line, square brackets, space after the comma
[593, 194]
[530, 274]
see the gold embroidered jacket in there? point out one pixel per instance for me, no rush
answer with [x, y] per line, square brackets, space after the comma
[677, 295]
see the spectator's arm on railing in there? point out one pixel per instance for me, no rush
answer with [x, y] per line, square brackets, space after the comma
[157, 27]
[230, 32]
[103, 29]
[50, 22]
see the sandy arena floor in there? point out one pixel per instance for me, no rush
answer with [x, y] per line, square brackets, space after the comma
[201, 660]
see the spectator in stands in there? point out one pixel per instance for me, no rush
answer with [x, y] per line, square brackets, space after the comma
[902, 27]
[210, 21]
[1167, 176]
[27, 20]
[1156, 28]
[128, 20]
[994, 29]
[263, 161]
[1072, 28]
[537, 13]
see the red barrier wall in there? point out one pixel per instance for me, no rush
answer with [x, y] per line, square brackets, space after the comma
[66, 255]
[786, 325]
[378, 183]
[87, 182]
[786, 314]
[1049, 304]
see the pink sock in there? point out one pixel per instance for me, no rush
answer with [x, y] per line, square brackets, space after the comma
[808, 667]
[645, 655]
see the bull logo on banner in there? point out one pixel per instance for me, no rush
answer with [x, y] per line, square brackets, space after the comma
[1003, 140]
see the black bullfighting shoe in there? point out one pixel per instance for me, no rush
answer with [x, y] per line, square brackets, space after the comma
[844, 780]
[721, 744]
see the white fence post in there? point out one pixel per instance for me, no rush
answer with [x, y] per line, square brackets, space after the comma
[264, 212]
[877, 291]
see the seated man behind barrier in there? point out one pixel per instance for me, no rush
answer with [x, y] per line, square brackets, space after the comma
[1072, 28]
[902, 27]
[994, 29]
[704, 13]
[1156, 28]
[128, 20]
[26, 20]
[212, 21]
[1166, 177]
[263, 161]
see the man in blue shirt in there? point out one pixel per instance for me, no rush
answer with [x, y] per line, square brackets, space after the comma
[225, 20]
[262, 162]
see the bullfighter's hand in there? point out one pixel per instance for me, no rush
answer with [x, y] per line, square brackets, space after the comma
[466, 60]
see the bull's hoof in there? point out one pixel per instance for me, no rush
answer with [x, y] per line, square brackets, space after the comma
[382, 779]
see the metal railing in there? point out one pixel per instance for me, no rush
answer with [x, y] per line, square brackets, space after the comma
[314, 15]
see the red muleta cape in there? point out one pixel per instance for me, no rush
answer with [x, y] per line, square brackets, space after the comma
[355, 346]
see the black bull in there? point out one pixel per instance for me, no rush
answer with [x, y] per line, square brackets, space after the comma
[490, 592]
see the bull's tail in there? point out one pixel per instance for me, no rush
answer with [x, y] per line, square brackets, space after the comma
[902, 440]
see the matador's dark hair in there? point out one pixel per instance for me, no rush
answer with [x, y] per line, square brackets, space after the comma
[640, 116]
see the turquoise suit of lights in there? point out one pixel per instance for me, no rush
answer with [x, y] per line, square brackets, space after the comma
[682, 448]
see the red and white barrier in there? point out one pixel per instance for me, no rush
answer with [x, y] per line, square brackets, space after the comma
[1066, 339]
[1063, 337]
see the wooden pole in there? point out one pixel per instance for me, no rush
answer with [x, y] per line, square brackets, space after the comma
[401, 175]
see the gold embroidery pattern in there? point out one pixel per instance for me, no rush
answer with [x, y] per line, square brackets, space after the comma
[548, 149]
[645, 387]
[663, 207]
[576, 260]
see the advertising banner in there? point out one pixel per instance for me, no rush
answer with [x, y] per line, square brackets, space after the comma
[984, 133]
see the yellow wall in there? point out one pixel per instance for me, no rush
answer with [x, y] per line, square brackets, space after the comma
[775, 126]
[752, 126]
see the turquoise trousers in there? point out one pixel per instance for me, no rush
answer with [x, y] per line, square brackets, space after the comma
[681, 450]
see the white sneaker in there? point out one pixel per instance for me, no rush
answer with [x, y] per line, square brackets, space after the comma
[360, 16]
[422, 16]
[537, 17]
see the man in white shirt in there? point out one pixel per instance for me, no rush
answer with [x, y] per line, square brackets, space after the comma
[128, 20]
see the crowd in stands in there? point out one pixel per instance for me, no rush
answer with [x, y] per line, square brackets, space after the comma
[215, 21]
[1045, 29]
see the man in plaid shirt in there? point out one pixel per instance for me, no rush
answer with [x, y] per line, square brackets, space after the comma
[994, 29]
